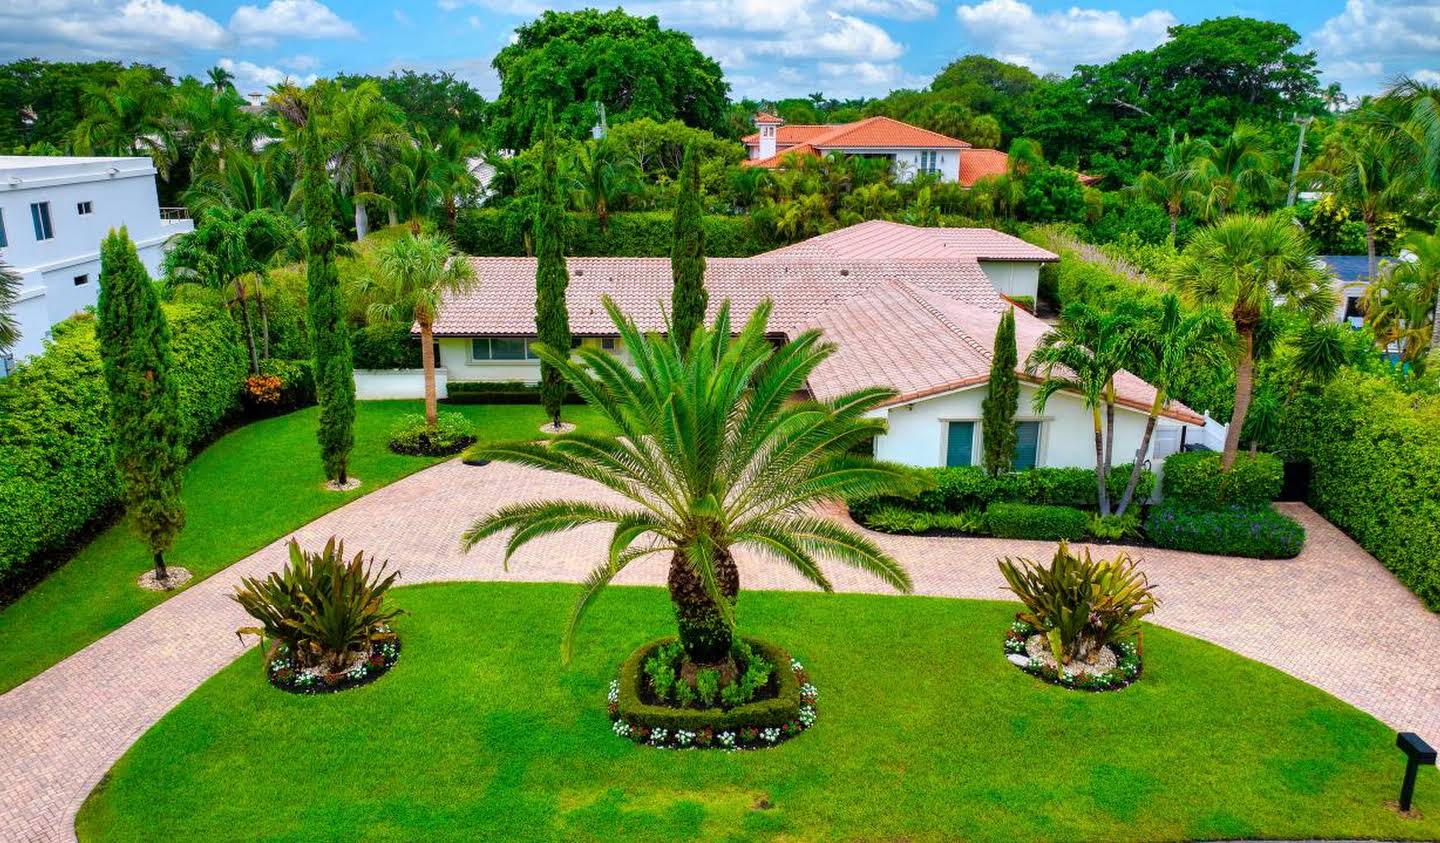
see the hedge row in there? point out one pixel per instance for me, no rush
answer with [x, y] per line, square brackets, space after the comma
[498, 392]
[1035, 521]
[1375, 457]
[490, 232]
[57, 475]
[1195, 477]
[964, 488]
[1258, 532]
[783, 708]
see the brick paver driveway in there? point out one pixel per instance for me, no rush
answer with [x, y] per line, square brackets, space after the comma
[1332, 617]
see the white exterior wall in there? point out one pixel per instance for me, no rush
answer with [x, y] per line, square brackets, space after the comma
[121, 191]
[1067, 433]
[382, 384]
[907, 161]
[1013, 278]
[455, 358]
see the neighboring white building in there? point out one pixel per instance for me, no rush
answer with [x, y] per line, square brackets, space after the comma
[53, 214]
[910, 308]
[910, 149]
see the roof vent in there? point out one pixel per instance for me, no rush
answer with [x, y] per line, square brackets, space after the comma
[844, 272]
[579, 272]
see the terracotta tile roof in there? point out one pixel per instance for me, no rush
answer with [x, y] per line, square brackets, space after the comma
[870, 133]
[880, 239]
[766, 117]
[976, 164]
[778, 158]
[791, 134]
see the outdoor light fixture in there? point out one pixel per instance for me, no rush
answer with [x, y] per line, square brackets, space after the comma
[1417, 752]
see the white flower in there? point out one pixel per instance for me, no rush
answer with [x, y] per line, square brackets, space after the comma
[658, 736]
[683, 737]
[807, 715]
[796, 666]
[622, 728]
[770, 734]
[726, 738]
[614, 695]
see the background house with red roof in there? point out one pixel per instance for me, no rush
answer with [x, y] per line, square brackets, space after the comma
[911, 149]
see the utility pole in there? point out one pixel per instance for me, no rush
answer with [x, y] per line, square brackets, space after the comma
[1295, 168]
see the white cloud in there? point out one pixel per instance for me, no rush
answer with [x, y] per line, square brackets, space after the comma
[403, 19]
[1371, 41]
[289, 19]
[68, 29]
[897, 9]
[1426, 76]
[300, 63]
[253, 77]
[1057, 41]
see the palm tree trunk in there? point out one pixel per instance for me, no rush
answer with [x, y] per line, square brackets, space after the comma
[394, 217]
[1141, 452]
[246, 326]
[1435, 331]
[1102, 493]
[1244, 382]
[162, 574]
[362, 219]
[1370, 246]
[1109, 426]
[704, 633]
[602, 210]
[1174, 223]
[264, 317]
[427, 361]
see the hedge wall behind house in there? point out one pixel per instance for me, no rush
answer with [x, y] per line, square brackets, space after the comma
[57, 474]
[485, 232]
[1375, 455]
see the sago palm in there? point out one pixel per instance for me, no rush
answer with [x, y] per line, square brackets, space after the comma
[1247, 264]
[414, 274]
[712, 452]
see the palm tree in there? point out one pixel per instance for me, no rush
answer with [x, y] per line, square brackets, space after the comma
[454, 150]
[248, 183]
[132, 116]
[1247, 264]
[214, 125]
[1172, 185]
[1024, 158]
[221, 80]
[602, 174]
[412, 182]
[1082, 355]
[1168, 346]
[9, 294]
[1400, 306]
[416, 274]
[362, 130]
[712, 452]
[1236, 170]
[1363, 166]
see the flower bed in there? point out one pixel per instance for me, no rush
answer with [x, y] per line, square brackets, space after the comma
[282, 673]
[783, 709]
[1127, 668]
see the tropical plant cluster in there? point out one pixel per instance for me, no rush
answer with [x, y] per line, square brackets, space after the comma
[666, 682]
[1127, 670]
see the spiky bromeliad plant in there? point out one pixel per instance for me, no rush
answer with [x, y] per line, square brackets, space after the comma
[713, 451]
[1080, 604]
[321, 607]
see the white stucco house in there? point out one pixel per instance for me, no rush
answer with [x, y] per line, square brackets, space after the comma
[911, 149]
[53, 214]
[910, 308]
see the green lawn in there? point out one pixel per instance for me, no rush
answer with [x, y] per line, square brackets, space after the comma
[925, 733]
[246, 490]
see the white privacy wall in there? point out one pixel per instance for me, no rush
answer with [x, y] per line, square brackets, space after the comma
[1013, 278]
[1067, 439]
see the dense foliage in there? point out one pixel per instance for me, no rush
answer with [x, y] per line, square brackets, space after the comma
[449, 433]
[1196, 477]
[552, 317]
[1228, 530]
[688, 298]
[1035, 521]
[488, 231]
[1002, 400]
[964, 488]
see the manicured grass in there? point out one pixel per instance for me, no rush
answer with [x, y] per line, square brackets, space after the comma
[925, 733]
[246, 490]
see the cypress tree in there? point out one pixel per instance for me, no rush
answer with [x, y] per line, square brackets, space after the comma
[552, 320]
[134, 341]
[334, 376]
[688, 298]
[1002, 400]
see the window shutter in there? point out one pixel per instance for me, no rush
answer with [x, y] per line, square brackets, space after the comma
[1027, 444]
[959, 442]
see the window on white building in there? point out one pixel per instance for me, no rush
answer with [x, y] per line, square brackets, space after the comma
[81, 280]
[501, 348]
[40, 216]
[929, 162]
[608, 343]
[83, 208]
[3, 241]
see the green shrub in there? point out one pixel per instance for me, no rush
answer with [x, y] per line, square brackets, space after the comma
[1115, 527]
[451, 434]
[385, 347]
[1035, 521]
[209, 365]
[1080, 604]
[968, 487]
[297, 381]
[1195, 477]
[1231, 530]
[485, 231]
[498, 392]
[1025, 303]
[783, 708]
[890, 518]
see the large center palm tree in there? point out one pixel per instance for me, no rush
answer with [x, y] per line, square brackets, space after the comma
[713, 452]
[415, 273]
[362, 130]
[132, 116]
[1247, 265]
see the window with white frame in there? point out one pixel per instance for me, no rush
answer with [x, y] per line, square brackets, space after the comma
[502, 348]
[83, 208]
[929, 162]
[40, 217]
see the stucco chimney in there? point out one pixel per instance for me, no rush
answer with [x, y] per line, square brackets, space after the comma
[768, 126]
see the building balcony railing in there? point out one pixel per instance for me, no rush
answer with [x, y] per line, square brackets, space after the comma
[174, 214]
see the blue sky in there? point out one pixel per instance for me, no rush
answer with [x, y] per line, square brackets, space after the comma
[769, 48]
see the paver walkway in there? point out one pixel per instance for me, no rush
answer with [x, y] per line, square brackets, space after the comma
[1332, 617]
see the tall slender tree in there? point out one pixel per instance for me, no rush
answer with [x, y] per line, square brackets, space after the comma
[552, 319]
[134, 341]
[363, 130]
[1364, 166]
[1002, 400]
[688, 298]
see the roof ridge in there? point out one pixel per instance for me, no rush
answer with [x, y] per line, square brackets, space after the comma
[938, 316]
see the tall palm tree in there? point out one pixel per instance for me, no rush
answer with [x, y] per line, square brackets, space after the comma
[131, 116]
[248, 183]
[1246, 264]
[602, 174]
[711, 453]
[362, 130]
[1400, 306]
[1169, 345]
[213, 124]
[415, 274]
[1233, 171]
[454, 150]
[1082, 355]
[221, 80]
[1362, 164]
[412, 185]
[1172, 185]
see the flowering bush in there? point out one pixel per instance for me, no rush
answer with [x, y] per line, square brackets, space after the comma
[262, 390]
[1254, 531]
[285, 674]
[1127, 668]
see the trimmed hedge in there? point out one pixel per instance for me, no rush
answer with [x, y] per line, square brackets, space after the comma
[487, 231]
[452, 434]
[385, 347]
[1195, 477]
[498, 392]
[1232, 530]
[1035, 521]
[783, 708]
[964, 488]
[57, 475]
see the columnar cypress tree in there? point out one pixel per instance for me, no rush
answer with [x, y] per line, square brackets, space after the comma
[134, 341]
[552, 320]
[687, 255]
[1002, 399]
[334, 376]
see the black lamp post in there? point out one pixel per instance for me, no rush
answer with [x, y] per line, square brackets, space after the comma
[1417, 752]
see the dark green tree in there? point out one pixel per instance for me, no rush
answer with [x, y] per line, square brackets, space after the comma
[1002, 400]
[134, 341]
[688, 298]
[552, 320]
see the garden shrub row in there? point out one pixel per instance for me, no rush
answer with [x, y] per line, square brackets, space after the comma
[1228, 530]
[1035, 521]
[57, 474]
[964, 488]
[491, 232]
[1196, 477]
[775, 712]
[498, 392]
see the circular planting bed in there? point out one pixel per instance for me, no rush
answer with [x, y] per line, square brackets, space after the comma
[1118, 665]
[363, 669]
[660, 714]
